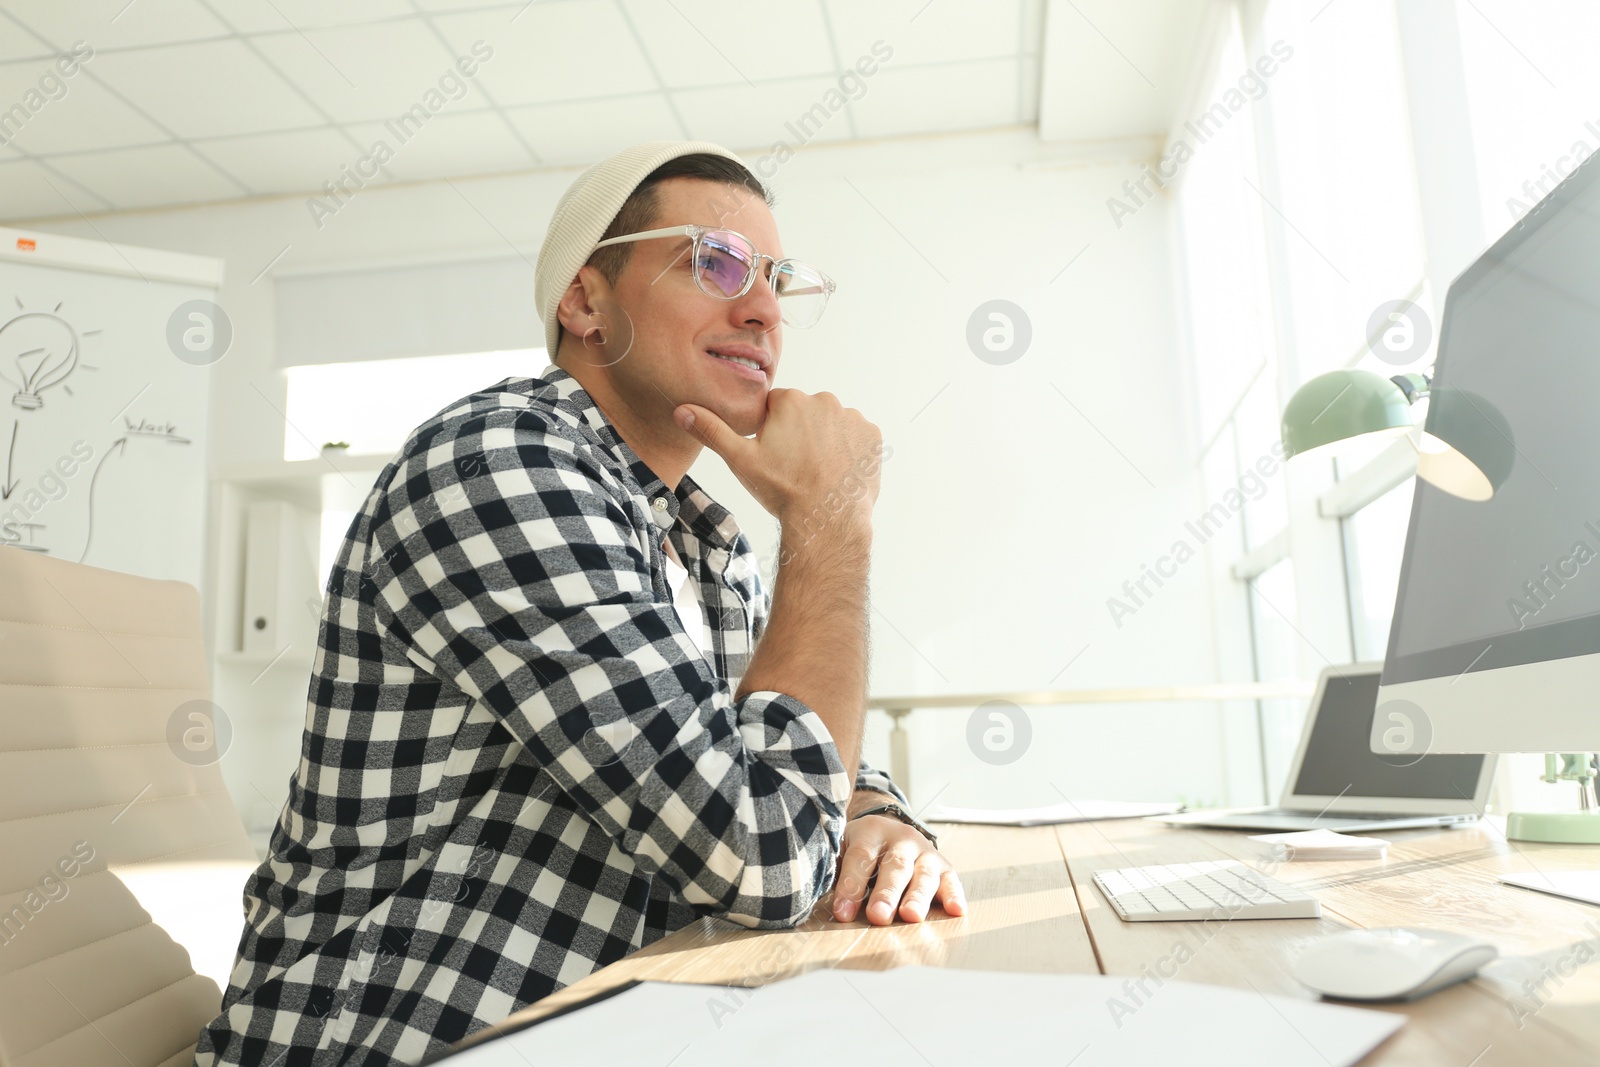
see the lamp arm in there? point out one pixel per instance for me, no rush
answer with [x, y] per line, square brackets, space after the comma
[1414, 386]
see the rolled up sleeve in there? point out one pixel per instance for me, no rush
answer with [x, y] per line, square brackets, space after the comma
[877, 781]
[510, 563]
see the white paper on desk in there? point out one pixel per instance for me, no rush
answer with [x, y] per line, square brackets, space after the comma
[1066, 811]
[1324, 845]
[915, 1016]
[1576, 885]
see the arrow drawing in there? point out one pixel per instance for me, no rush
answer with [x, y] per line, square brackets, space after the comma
[121, 442]
[167, 432]
[11, 455]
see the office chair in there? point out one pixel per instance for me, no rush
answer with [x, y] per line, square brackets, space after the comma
[122, 857]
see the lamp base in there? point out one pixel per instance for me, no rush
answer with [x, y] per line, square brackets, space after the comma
[1554, 827]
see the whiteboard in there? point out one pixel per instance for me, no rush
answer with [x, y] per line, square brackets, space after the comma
[103, 415]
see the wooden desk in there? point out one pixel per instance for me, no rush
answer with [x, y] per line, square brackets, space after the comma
[1034, 908]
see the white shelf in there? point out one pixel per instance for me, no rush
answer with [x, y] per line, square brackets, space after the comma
[301, 471]
[261, 659]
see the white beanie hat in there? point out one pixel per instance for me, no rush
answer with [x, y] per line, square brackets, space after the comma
[586, 209]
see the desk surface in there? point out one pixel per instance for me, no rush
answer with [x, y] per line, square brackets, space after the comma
[1034, 907]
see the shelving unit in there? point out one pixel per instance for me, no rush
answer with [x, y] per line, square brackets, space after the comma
[263, 694]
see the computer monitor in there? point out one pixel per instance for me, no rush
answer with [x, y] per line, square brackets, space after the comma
[1495, 641]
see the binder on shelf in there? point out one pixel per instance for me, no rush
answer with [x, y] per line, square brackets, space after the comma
[280, 578]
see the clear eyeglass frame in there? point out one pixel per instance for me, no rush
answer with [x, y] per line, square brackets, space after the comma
[816, 286]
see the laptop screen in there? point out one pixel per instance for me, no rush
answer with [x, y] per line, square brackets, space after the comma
[1339, 759]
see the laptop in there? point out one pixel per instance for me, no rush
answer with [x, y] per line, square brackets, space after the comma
[1337, 783]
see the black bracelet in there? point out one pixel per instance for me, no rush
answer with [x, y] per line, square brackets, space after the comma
[904, 816]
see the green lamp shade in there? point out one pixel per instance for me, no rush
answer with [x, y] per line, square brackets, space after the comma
[1332, 408]
[1467, 448]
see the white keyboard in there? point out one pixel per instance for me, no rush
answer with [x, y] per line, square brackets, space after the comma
[1214, 889]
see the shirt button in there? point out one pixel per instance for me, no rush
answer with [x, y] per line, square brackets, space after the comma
[660, 503]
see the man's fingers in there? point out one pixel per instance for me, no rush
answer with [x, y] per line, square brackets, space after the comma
[712, 431]
[952, 895]
[919, 893]
[894, 873]
[855, 871]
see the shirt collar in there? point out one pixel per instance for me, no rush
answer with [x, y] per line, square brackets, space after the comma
[709, 520]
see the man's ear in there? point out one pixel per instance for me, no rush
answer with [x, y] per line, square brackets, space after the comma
[579, 309]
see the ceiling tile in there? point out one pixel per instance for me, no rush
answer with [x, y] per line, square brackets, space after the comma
[553, 52]
[715, 42]
[18, 45]
[1111, 72]
[206, 90]
[86, 115]
[147, 177]
[370, 73]
[293, 162]
[959, 96]
[795, 112]
[109, 24]
[28, 191]
[270, 16]
[588, 130]
[511, 7]
[16, 42]
[476, 142]
[925, 31]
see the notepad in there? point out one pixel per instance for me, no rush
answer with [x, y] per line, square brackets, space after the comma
[1066, 811]
[1323, 845]
[916, 1016]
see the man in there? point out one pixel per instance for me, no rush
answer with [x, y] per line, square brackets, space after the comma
[541, 732]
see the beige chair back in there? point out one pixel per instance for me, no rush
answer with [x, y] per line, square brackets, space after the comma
[122, 856]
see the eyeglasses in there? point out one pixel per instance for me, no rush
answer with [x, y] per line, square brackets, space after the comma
[725, 265]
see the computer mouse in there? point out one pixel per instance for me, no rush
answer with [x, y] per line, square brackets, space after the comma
[1390, 963]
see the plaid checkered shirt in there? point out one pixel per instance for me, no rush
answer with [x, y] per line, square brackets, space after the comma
[516, 766]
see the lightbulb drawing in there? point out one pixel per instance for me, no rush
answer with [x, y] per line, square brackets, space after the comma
[38, 350]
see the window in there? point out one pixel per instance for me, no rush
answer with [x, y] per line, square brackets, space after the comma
[1342, 209]
[1374, 542]
[1296, 223]
[1229, 309]
[1272, 611]
[1531, 83]
[1261, 479]
[373, 405]
[1220, 232]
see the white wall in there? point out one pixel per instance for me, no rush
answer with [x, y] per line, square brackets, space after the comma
[1008, 515]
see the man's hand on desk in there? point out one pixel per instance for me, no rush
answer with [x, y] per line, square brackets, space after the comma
[911, 873]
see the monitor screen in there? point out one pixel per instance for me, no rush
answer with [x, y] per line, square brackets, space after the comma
[1513, 579]
[1339, 761]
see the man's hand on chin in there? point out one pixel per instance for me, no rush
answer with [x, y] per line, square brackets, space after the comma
[911, 873]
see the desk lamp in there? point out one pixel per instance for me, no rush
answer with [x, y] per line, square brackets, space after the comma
[1467, 449]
